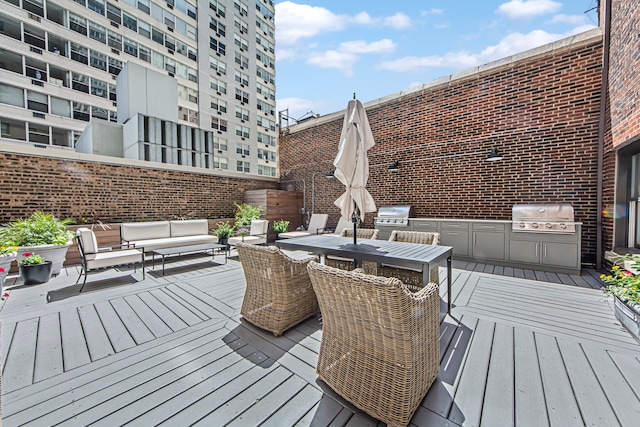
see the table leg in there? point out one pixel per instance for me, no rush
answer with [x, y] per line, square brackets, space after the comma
[449, 285]
[163, 265]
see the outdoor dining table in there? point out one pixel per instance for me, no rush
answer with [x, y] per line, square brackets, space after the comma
[401, 254]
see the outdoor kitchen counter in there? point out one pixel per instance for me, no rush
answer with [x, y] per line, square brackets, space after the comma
[494, 242]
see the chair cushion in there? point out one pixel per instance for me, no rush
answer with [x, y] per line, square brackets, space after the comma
[259, 226]
[88, 240]
[190, 227]
[145, 230]
[115, 258]
[171, 242]
[292, 234]
[254, 240]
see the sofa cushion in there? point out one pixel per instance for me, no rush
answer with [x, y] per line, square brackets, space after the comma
[88, 240]
[145, 230]
[172, 242]
[190, 227]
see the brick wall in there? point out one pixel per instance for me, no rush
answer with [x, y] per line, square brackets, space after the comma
[624, 71]
[541, 113]
[74, 189]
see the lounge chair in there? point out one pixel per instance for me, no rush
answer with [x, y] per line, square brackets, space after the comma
[317, 225]
[342, 224]
[279, 294]
[380, 347]
[347, 263]
[257, 234]
[410, 277]
[95, 258]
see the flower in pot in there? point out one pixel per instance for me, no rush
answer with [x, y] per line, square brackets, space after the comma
[7, 255]
[223, 231]
[280, 226]
[245, 213]
[34, 269]
[42, 233]
[624, 286]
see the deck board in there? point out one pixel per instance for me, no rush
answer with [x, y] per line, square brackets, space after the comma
[520, 348]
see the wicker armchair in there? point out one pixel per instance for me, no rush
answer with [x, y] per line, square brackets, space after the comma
[279, 294]
[347, 263]
[380, 346]
[411, 278]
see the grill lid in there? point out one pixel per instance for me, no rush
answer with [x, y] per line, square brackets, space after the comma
[552, 218]
[397, 216]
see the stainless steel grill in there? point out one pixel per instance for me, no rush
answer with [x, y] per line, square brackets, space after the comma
[544, 218]
[393, 216]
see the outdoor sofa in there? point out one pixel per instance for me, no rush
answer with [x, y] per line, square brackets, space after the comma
[166, 234]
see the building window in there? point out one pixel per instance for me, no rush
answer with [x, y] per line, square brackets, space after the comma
[38, 134]
[241, 60]
[217, 46]
[78, 24]
[98, 88]
[266, 170]
[242, 113]
[115, 66]
[242, 96]
[243, 149]
[81, 111]
[243, 166]
[60, 107]
[218, 7]
[266, 155]
[12, 129]
[220, 162]
[96, 5]
[157, 35]
[97, 32]
[266, 107]
[115, 41]
[217, 65]
[80, 82]
[219, 144]
[263, 138]
[129, 22]
[144, 29]
[11, 95]
[241, 77]
[130, 47]
[219, 124]
[242, 131]
[98, 60]
[266, 123]
[37, 102]
[143, 5]
[218, 85]
[218, 105]
[114, 13]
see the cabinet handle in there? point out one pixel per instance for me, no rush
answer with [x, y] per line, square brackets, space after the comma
[487, 226]
[453, 234]
[536, 249]
[474, 239]
[545, 251]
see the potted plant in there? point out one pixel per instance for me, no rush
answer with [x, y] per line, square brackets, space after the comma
[244, 214]
[280, 226]
[34, 269]
[223, 232]
[42, 233]
[7, 255]
[624, 286]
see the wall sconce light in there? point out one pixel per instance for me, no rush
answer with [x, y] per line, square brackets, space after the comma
[329, 174]
[493, 155]
[395, 166]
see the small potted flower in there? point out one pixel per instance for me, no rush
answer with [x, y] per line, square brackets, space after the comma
[280, 226]
[7, 255]
[223, 232]
[34, 269]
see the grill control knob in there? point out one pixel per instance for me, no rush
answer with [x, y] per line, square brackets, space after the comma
[534, 225]
[563, 226]
[548, 225]
[522, 225]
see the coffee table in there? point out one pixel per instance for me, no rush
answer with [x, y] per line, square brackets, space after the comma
[178, 250]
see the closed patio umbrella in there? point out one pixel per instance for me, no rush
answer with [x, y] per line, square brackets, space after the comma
[352, 164]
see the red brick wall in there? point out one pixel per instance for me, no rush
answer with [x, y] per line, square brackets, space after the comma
[624, 71]
[74, 189]
[541, 113]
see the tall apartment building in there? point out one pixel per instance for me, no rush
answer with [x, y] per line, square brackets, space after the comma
[59, 62]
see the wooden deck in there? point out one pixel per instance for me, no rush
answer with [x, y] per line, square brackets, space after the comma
[524, 348]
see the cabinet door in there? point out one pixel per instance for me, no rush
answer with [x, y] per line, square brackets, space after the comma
[459, 240]
[524, 251]
[424, 226]
[560, 254]
[488, 245]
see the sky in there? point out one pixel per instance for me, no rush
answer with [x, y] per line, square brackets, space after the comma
[328, 50]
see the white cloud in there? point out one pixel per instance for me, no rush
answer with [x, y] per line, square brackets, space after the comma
[398, 21]
[518, 9]
[509, 45]
[297, 21]
[432, 11]
[362, 18]
[568, 19]
[342, 61]
[360, 46]
[442, 26]
[299, 107]
[282, 54]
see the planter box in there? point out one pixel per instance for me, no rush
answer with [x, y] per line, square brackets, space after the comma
[35, 274]
[628, 316]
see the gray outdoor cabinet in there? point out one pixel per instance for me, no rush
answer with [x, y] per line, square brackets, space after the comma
[488, 241]
[494, 242]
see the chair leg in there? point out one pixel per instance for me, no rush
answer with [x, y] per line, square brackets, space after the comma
[84, 281]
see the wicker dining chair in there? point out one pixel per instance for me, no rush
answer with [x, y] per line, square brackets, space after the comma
[410, 277]
[380, 347]
[279, 294]
[347, 263]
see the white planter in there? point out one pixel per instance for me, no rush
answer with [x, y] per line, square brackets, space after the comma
[6, 259]
[54, 253]
[628, 316]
